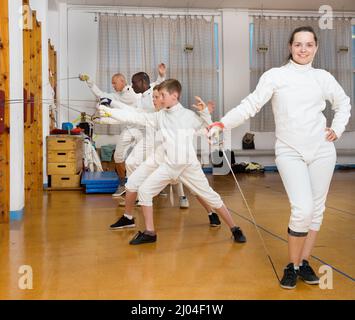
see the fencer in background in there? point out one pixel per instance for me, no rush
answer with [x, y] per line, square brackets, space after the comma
[130, 135]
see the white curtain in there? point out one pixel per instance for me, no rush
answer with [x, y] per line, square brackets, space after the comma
[129, 44]
[275, 33]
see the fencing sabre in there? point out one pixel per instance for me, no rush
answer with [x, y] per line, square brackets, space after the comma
[218, 141]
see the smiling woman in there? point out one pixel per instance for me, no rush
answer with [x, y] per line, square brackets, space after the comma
[305, 153]
[303, 45]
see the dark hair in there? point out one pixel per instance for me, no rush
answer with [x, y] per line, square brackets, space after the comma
[142, 76]
[301, 29]
[171, 85]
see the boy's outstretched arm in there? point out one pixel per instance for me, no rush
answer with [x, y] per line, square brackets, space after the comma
[130, 116]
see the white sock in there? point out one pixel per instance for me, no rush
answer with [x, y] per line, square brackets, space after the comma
[296, 267]
[128, 216]
[210, 213]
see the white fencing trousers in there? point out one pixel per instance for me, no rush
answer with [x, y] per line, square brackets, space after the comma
[141, 151]
[128, 138]
[139, 175]
[306, 183]
[191, 176]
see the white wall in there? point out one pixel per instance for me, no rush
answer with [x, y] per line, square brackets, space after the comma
[235, 35]
[53, 27]
[77, 54]
[79, 48]
[62, 65]
[16, 110]
[82, 48]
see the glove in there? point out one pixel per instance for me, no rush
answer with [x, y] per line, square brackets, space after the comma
[84, 77]
[104, 111]
[214, 132]
[105, 102]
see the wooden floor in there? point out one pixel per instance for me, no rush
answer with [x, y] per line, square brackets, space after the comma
[64, 237]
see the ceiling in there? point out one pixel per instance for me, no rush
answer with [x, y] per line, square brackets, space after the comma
[313, 5]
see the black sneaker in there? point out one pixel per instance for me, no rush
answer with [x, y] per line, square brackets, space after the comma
[307, 274]
[238, 235]
[289, 279]
[142, 237]
[123, 222]
[214, 220]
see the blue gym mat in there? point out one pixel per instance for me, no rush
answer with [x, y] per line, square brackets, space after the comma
[99, 177]
[102, 190]
[100, 182]
[207, 170]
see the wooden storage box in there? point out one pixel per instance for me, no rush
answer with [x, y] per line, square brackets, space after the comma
[64, 156]
[64, 160]
[65, 142]
[65, 181]
[63, 168]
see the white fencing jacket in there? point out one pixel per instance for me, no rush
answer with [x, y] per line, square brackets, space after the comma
[177, 126]
[299, 94]
[91, 159]
[126, 96]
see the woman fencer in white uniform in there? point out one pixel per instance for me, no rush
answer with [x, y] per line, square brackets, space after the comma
[304, 149]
